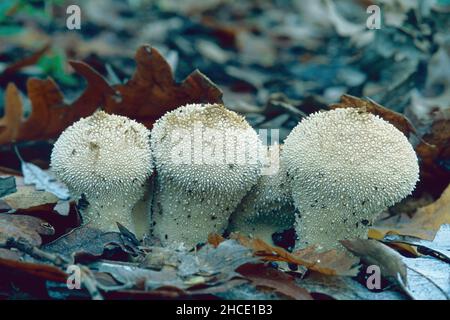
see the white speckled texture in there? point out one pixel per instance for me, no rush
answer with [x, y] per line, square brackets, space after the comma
[196, 199]
[345, 167]
[107, 158]
[268, 207]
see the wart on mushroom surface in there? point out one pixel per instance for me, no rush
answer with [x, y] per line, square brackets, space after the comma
[268, 207]
[206, 159]
[345, 167]
[108, 159]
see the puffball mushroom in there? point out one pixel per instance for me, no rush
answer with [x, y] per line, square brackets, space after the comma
[268, 207]
[108, 159]
[206, 159]
[345, 167]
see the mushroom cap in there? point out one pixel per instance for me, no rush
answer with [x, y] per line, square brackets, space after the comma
[349, 160]
[206, 148]
[106, 157]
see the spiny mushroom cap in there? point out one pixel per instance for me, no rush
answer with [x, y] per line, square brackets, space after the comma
[196, 148]
[106, 157]
[349, 160]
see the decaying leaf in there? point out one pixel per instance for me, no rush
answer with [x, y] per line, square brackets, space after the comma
[438, 248]
[40, 271]
[375, 253]
[428, 278]
[266, 277]
[152, 90]
[44, 180]
[434, 154]
[7, 186]
[28, 198]
[21, 226]
[27, 61]
[182, 269]
[87, 241]
[329, 262]
[145, 97]
[345, 288]
[368, 105]
[424, 224]
[10, 123]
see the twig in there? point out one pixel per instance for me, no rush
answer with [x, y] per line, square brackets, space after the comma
[88, 279]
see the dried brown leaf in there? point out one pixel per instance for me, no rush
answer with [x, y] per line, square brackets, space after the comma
[329, 262]
[376, 253]
[9, 124]
[26, 227]
[266, 277]
[368, 105]
[424, 224]
[145, 97]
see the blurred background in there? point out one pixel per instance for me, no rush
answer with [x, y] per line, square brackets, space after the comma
[275, 61]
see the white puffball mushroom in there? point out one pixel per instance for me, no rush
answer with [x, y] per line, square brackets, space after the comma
[108, 159]
[268, 207]
[345, 167]
[206, 159]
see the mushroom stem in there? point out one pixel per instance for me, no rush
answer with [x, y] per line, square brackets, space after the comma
[182, 217]
[268, 207]
[95, 215]
[325, 227]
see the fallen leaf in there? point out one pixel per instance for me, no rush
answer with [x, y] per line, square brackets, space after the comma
[344, 288]
[438, 248]
[145, 97]
[44, 180]
[434, 154]
[9, 124]
[367, 105]
[84, 241]
[180, 268]
[152, 90]
[62, 207]
[10, 255]
[27, 61]
[36, 270]
[21, 226]
[266, 277]
[424, 224]
[329, 262]
[428, 278]
[28, 197]
[376, 253]
[7, 186]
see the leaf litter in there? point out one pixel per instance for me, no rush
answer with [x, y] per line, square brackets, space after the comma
[40, 231]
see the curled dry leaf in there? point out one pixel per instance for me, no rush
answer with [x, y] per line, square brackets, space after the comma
[10, 123]
[424, 224]
[395, 118]
[376, 253]
[435, 156]
[35, 270]
[27, 61]
[26, 227]
[329, 262]
[145, 97]
[28, 199]
[84, 241]
[266, 277]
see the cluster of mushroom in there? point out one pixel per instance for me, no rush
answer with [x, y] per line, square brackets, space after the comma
[339, 169]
